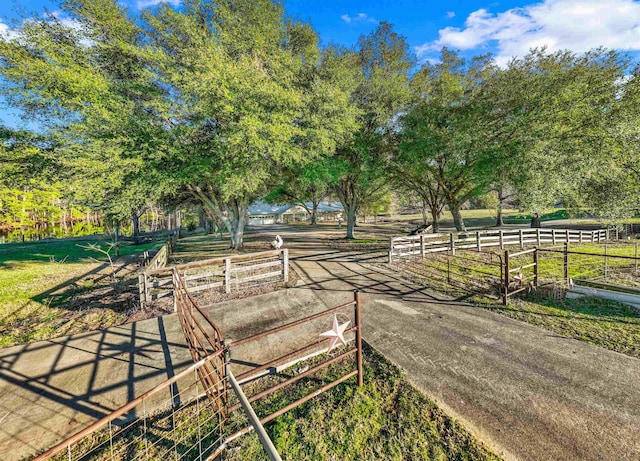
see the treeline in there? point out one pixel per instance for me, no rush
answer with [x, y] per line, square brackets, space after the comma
[217, 103]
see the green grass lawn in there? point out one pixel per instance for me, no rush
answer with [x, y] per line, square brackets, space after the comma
[604, 323]
[386, 419]
[475, 277]
[43, 286]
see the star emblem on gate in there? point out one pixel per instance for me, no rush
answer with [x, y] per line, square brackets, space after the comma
[336, 333]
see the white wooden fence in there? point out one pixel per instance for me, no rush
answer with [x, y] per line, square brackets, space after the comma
[161, 258]
[221, 274]
[419, 245]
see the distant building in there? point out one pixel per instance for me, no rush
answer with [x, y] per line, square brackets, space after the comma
[264, 213]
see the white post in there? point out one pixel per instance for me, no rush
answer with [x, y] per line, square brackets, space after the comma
[553, 236]
[501, 240]
[479, 244]
[453, 243]
[538, 235]
[142, 290]
[422, 245]
[285, 265]
[521, 240]
[227, 275]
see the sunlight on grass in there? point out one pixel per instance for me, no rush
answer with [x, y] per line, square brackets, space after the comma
[37, 279]
[385, 419]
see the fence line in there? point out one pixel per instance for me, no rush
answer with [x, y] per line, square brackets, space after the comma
[178, 424]
[400, 247]
[110, 435]
[225, 274]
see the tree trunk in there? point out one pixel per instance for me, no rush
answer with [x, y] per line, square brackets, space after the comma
[135, 223]
[116, 232]
[435, 216]
[351, 222]
[535, 220]
[202, 218]
[238, 236]
[314, 213]
[425, 220]
[457, 218]
[499, 221]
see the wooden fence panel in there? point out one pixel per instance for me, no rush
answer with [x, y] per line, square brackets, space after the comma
[225, 274]
[419, 245]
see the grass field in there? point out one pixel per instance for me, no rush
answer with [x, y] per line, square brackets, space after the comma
[476, 277]
[387, 419]
[53, 288]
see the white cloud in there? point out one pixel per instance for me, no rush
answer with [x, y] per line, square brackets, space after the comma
[147, 3]
[360, 17]
[451, 14]
[578, 25]
[7, 32]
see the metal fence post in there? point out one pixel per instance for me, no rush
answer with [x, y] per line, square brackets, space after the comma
[505, 294]
[285, 265]
[227, 275]
[358, 320]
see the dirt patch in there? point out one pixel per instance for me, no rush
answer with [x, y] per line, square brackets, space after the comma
[96, 297]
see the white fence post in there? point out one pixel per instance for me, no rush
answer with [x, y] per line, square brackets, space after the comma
[422, 245]
[285, 265]
[501, 240]
[142, 290]
[553, 236]
[452, 241]
[538, 236]
[521, 240]
[479, 244]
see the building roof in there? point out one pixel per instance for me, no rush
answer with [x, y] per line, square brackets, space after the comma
[261, 208]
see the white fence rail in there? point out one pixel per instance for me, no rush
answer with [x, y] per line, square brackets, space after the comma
[419, 245]
[220, 274]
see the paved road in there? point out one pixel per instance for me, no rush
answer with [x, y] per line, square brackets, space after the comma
[529, 394]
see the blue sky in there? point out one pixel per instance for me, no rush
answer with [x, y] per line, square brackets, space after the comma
[505, 28]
